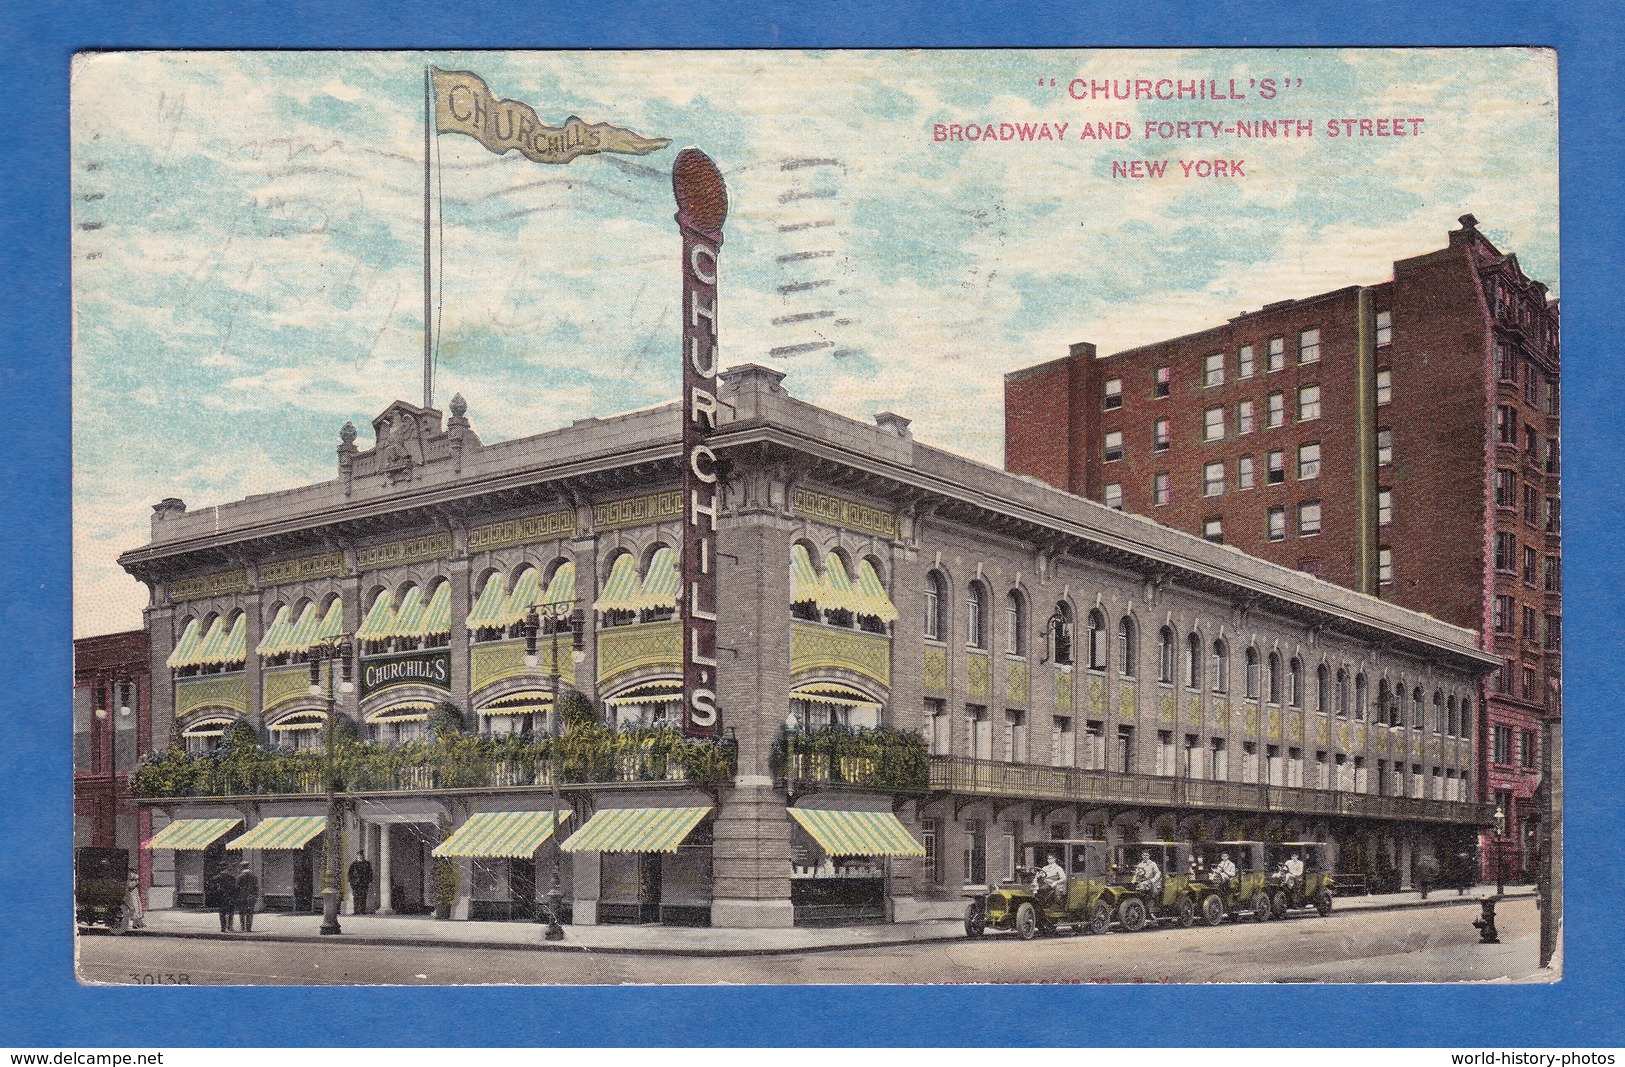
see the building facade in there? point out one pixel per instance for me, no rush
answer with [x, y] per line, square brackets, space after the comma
[112, 728]
[923, 662]
[1401, 439]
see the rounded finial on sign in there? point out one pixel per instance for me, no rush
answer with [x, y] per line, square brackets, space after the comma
[700, 191]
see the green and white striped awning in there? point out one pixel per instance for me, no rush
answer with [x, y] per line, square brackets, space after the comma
[857, 833]
[525, 702]
[621, 590]
[488, 605]
[186, 647]
[837, 593]
[221, 644]
[277, 633]
[660, 586]
[281, 832]
[494, 834]
[408, 621]
[191, 835]
[518, 602]
[313, 628]
[804, 584]
[380, 620]
[872, 598]
[561, 590]
[636, 830]
[833, 693]
[652, 692]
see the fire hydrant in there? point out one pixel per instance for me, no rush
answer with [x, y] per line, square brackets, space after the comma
[1487, 934]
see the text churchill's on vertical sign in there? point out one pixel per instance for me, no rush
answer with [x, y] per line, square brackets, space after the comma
[702, 206]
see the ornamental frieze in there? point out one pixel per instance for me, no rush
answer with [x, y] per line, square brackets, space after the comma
[528, 530]
[326, 565]
[222, 583]
[639, 511]
[228, 691]
[848, 513]
[429, 546]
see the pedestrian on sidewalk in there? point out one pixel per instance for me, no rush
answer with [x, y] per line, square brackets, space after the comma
[248, 895]
[223, 886]
[360, 883]
[132, 900]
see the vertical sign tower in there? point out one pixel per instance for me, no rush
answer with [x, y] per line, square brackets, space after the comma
[702, 206]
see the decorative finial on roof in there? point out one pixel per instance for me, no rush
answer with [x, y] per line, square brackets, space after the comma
[459, 406]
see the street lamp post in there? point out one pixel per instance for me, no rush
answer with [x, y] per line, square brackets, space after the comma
[556, 613]
[339, 650]
[1500, 850]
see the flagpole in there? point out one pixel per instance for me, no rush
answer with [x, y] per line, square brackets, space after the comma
[428, 344]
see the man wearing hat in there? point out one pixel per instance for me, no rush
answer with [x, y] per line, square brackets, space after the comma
[248, 895]
[223, 890]
[1224, 872]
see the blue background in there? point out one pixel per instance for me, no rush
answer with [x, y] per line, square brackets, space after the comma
[42, 1005]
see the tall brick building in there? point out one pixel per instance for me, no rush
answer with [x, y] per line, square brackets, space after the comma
[112, 727]
[1400, 439]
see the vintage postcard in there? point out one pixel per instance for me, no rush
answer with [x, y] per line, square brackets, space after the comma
[958, 516]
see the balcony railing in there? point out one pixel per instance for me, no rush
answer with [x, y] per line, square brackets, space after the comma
[883, 760]
[586, 757]
[1019, 781]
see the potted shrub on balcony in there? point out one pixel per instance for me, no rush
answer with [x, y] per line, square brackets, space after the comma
[444, 877]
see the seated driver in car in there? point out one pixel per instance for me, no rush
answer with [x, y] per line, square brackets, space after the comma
[1051, 880]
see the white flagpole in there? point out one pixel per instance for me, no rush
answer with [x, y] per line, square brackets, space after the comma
[428, 344]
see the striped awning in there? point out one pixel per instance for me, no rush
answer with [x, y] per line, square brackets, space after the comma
[804, 584]
[621, 589]
[526, 702]
[561, 589]
[872, 598]
[221, 644]
[408, 621]
[636, 830]
[313, 628]
[191, 835]
[437, 616]
[660, 585]
[277, 633]
[282, 832]
[489, 604]
[648, 692]
[513, 834]
[832, 693]
[405, 711]
[857, 833]
[186, 647]
[518, 602]
[380, 620]
[837, 593]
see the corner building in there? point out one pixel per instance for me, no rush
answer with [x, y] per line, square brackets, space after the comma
[924, 662]
[1401, 439]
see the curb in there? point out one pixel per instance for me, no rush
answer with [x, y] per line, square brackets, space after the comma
[711, 952]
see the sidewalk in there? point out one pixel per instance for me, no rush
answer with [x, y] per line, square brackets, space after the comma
[943, 923]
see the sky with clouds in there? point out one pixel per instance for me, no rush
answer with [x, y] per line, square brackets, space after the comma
[248, 227]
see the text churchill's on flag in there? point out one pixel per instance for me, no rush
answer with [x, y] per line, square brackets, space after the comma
[463, 104]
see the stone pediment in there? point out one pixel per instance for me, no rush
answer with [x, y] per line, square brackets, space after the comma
[406, 439]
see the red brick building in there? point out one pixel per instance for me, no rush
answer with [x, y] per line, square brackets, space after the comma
[1400, 439]
[112, 727]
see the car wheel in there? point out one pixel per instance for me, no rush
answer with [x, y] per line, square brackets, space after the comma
[1213, 910]
[975, 919]
[1132, 914]
[1261, 907]
[1026, 921]
[118, 920]
[1100, 918]
[1278, 904]
[1323, 902]
[1187, 912]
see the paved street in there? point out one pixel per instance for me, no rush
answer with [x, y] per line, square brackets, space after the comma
[1433, 944]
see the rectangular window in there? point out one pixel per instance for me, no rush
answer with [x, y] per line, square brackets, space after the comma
[1276, 359]
[1385, 387]
[1249, 762]
[1159, 489]
[1276, 528]
[1275, 411]
[1272, 757]
[1385, 328]
[1062, 748]
[1531, 386]
[1554, 632]
[1218, 760]
[1275, 468]
[1015, 736]
[1502, 748]
[1506, 363]
[1531, 505]
[1125, 749]
[1506, 552]
[1551, 455]
[1554, 574]
[1554, 519]
[1164, 383]
[1308, 403]
[1112, 496]
[1245, 420]
[1385, 566]
[1506, 424]
[1213, 479]
[1213, 530]
[1309, 346]
[1094, 745]
[1362, 779]
[1531, 565]
[1213, 370]
[1506, 488]
[1165, 752]
[1114, 393]
[1213, 424]
[1385, 447]
[937, 734]
[1506, 676]
[1244, 473]
[1294, 768]
[1385, 506]
[1114, 446]
[1244, 362]
[1529, 632]
[1308, 462]
[1309, 518]
[1159, 436]
[978, 732]
[1526, 748]
[1501, 614]
[1322, 771]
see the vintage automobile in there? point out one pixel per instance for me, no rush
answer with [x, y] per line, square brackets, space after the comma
[1250, 891]
[1087, 901]
[99, 885]
[1178, 897]
[1312, 890]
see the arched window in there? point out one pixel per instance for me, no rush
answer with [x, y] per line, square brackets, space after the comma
[1097, 640]
[1015, 623]
[1385, 703]
[1323, 689]
[936, 606]
[1272, 679]
[1465, 726]
[1450, 720]
[1059, 634]
[1342, 692]
[1438, 711]
[976, 616]
[1294, 683]
[1128, 647]
[1165, 656]
[1193, 662]
[1359, 697]
[1419, 708]
[1221, 667]
[1251, 681]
